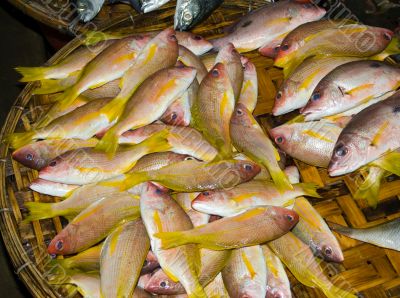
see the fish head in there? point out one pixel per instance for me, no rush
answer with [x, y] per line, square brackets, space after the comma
[285, 98]
[62, 243]
[349, 152]
[59, 167]
[139, 135]
[228, 53]
[87, 9]
[286, 219]
[195, 43]
[377, 36]
[251, 289]
[242, 116]
[282, 136]
[150, 264]
[30, 157]
[326, 96]
[183, 74]
[217, 79]
[167, 39]
[186, 15]
[246, 170]
[208, 201]
[276, 292]
[330, 252]
[160, 284]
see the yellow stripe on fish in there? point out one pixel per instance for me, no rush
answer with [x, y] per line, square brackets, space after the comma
[378, 135]
[224, 104]
[270, 22]
[249, 214]
[248, 264]
[309, 79]
[316, 135]
[157, 221]
[359, 88]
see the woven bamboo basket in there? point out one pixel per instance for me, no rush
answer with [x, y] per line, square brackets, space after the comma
[370, 270]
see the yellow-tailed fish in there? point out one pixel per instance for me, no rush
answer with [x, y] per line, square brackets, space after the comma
[86, 165]
[185, 201]
[148, 103]
[268, 25]
[350, 85]
[300, 260]
[367, 137]
[213, 109]
[194, 176]
[189, 59]
[94, 224]
[75, 61]
[338, 39]
[248, 137]
[245, 274]
[160, 213]
[311, 142]
[50, 188]
[369, 189]
[122, 257]
[313, 231]
[216, 288]
[160, 52]
[230, 58]
[54, 86]
[277, 280]
[230, 202]
[249, 92]
[82, 123]
[110, 89]
[212, 262]
[255, 226]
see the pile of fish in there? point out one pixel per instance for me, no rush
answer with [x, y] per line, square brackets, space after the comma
[170, 185]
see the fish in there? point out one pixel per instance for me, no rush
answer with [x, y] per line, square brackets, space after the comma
[311, 142]
[313, 231]
[87, 260]
[245, 274]
[150, 5]
[362, 142]
[216, 288]
[88, 9]
[248, 137]
[122, 257]
[94, 224]
[74, 62]
[298, 87]
[109, 65]
[194, 176]
[213, 108]
[150, 264]
[212, 262]
[350, 85]
[249, 93]
[161, 213]
[267, 26]
[148, 103]
[383, 235]
[48, 86]
[253, 227]
[185, 201]
[369, 188]
[231, 202]
[159, 53]
[179, 112]
[299, 259]
[349, 40]
[190, 13]
[188, 58]
[231, 59]
[82, 123]
[87, 165]
[109, 89]
[39, 154]
[52, 188]
[278, 284]
[208, 60]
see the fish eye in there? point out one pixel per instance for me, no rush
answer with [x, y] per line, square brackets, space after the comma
[279, 95]
[239, 112]
[289, 217]
[145, 263]
[172, 37]
[29, 156]
[189, 158]
[387, 36]
[174, 116]
[284, 47]
[198, 37]
[158, 191]
[205, 193]
[187, 16]
[316, 96]
[341, 150]
[163, 284]
[276, 49]
[53, 163]
[215, 73]
[248, 167]
[59, 245]
[328, 251]
[279, 140]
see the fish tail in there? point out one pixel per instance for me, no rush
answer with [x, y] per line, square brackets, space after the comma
[172, 239]
[310, 189]
[93, 37]
[39, 211]
[19, 139]
[393, 48]
[129, 181]
[58, 271]
[158, 142]
[369, 189]
[49, 86]
[30, 74]
[197, 291]
[389, 162]
[67, 97]
[332, 291]
[281, 181]
[114, 108]
[108, 143]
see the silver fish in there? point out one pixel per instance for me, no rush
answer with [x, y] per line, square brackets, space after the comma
[88, 9]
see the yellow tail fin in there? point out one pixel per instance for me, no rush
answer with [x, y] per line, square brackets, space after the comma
[109, 142]
[334, 292]
[39, 211]
[392, 49]
[114, 108]
[310, 189]
[49, 86]
[369, 189]
[93, 37]
[130, 181]
[67, 97]
[19, 139]
[30, 74]
[172, 239]
[281, 181]
[389, 162]
[196, 291]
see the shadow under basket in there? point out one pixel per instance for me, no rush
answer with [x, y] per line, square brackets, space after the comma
[370, 270]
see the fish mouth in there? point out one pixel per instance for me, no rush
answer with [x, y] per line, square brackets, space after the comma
[335, 170]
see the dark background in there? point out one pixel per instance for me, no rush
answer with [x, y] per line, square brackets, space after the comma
[24, 42]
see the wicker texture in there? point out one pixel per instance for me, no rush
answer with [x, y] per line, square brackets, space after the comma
[373, 271]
